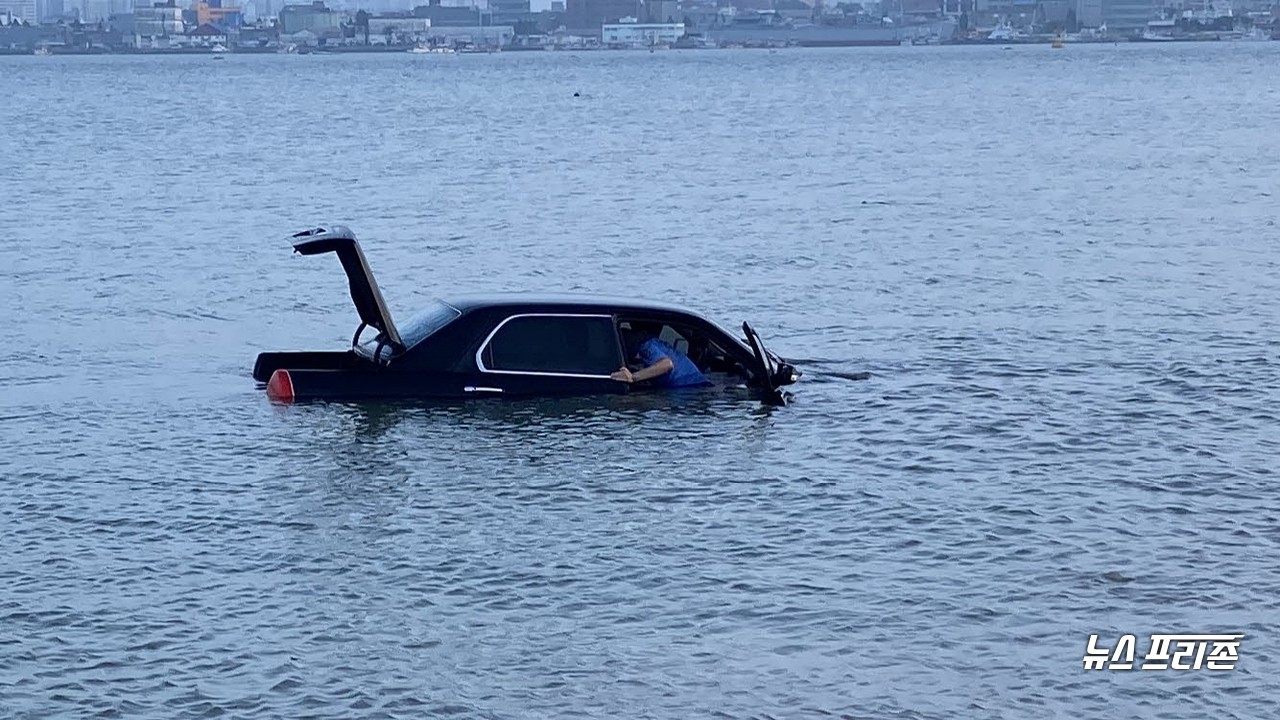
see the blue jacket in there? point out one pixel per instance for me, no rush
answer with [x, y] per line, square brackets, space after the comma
[683, 374]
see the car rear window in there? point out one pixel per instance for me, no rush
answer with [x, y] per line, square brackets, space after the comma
[427, 322]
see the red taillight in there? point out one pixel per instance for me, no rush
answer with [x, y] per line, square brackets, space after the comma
[280, 386]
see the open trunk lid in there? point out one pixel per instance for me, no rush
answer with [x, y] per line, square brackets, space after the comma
[364, 289]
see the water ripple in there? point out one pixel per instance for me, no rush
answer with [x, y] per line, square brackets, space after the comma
[1039, 402]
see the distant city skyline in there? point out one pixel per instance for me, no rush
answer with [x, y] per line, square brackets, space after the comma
[776, 22]
[32, 10]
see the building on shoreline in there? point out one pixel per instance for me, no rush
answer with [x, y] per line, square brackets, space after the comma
[630, 33]
[509, 11]
[213, 12]
[453, 16]
[15, 33]
[156, 26]
[1127, 15]
[313, 17]
[24, 10]
[400, 28]
[586, 17]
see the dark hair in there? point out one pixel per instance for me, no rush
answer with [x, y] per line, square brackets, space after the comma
[634, 335]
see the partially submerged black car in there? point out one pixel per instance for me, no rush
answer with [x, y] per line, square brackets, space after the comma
[502, 345]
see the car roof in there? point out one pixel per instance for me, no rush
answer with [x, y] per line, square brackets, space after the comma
[575, 301]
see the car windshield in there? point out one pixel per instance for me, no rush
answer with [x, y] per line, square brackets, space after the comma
[426, 322]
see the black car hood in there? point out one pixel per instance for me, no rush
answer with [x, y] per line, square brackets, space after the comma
[364, 289]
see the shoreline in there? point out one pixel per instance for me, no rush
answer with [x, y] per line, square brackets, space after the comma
[408, 49]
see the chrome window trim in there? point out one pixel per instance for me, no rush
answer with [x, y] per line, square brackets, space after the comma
[489, 338]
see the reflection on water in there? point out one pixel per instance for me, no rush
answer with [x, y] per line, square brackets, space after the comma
[370, 420]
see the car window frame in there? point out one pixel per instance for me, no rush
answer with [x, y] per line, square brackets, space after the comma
[690, 329]
[479, 356]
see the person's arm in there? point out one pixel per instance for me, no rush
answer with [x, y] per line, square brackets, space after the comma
[661, 367]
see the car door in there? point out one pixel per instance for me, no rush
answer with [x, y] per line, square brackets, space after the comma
[549, 354]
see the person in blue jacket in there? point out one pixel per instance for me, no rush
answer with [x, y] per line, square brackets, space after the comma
[665, 365]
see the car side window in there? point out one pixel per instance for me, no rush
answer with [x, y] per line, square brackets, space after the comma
[558, 344]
